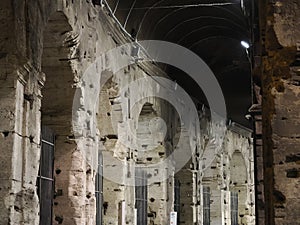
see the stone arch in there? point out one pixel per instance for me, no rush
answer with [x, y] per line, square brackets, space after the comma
[110, 111]
[149, 135]
[71, 196]
[186, 175]
[57, 93]
[153, 128]
[150, 149]
[238, 184]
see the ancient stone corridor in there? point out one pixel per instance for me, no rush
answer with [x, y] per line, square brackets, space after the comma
[149, 112]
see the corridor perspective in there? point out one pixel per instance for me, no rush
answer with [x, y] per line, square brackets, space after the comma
[150, 112]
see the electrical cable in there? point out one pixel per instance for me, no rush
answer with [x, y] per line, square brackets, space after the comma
[184, 6]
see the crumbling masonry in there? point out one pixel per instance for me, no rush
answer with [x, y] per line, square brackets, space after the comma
[53, 154]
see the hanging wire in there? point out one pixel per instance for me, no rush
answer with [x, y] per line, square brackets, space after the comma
[154, 5]
[183, 6]
[142, 21]
[116, 19]
[203, 17]
[130, 36]
[169, 14]
[211, 38]
[116, 7]
[205, 27]
[128, 15]
[166, 16]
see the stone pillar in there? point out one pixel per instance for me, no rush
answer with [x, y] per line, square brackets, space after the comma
[20, 129]
[279, 25]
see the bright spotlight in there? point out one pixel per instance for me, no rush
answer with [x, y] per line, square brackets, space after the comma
[245, 44]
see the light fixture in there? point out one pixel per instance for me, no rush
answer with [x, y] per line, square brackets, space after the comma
[245, 44]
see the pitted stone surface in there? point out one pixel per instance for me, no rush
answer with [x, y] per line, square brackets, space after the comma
[48, 56]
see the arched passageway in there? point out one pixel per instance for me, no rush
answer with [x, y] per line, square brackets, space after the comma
[70, 171]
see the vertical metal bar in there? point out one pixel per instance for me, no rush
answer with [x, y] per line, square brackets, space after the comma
[141, 195]
[234, 208]
[52, 175]
[99, 190]
[177, 199]
[206, 205]
[45, 176]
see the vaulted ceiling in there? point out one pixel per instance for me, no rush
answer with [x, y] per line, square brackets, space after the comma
[213, 29]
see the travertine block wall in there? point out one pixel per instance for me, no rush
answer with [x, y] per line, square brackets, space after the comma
[279, 22]
[45, 48]
[149, 149]
[286, 155]
[230, 169]
[24, 50]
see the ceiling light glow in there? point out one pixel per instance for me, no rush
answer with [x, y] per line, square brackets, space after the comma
[245, 44]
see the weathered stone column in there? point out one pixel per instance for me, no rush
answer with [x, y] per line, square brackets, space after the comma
[280, 111]
[20, 129]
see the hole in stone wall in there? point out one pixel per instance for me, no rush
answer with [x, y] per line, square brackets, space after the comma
[5, 133]
[161, 153]
[59, 219]
[89, 195]
[105, 206]
[152, 214]
[103, 139]
[71, 137]
[17, 208]
[117, 190]
[57, 171]
[292, 158]
[112, 136]
[31, 139]
[279, 197]
[59, 192]
[293, 173]
[89, 171]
